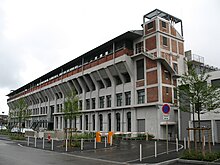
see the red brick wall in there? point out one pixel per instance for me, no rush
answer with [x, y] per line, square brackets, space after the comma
[151, 43]
[140, 83]
[164, 80]
[167, 98]
[150, 63]
[152, 94]
[180, 47]
[152, 77]
[173, 31]
[166, 56]
[174, 46]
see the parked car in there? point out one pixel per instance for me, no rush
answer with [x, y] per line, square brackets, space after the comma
[15, 130]
[23, 130]
[2, 127]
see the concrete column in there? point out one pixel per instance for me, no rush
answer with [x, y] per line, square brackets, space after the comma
[113, 121]
[83, 123]
[133, 120]
[96, 122]
[105, 122]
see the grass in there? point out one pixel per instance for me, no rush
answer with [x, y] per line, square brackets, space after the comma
[192, 155]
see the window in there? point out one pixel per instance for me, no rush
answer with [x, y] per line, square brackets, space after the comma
[175, 93]
[109, 122]
[127, 98]
[216, 83]
[167, 75]
[80, 122]
[119, 99]
[100, 122]
[175, 67]
[93, 122]
[141, 96]
[93, 103]
[165, 41]
[129, 121]
[140, 69]
[150, 25]
[139, 47]
[164, 25]
[80, 104]
[87, 122]
[109, 98]
[167, 91]
[118, 122]
[101, 102]
[87, 104]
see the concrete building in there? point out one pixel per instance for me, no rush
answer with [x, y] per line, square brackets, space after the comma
[122, 84]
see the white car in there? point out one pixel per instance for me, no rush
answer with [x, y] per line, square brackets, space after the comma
[2, 127]
[14, 130]
[23, 130]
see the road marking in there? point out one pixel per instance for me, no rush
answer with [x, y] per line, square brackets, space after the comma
[130, 161]
[96, 159]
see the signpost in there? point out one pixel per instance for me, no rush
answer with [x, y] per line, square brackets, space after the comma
[166, 111]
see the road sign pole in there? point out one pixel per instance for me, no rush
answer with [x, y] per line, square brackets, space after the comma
[167, 135]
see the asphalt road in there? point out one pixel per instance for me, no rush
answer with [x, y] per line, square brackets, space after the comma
[11, 153]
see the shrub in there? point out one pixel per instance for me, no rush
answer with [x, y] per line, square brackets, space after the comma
[16, 137]
[192, 155]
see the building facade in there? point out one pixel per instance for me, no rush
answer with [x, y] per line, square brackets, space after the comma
[122, 84]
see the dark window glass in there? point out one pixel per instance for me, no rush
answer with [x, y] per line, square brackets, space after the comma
[150, 25]
[164, 25]
[140, 69]
[109, 98]
[127, 98]
[93, 122]
[129, 121]
[165, 41]
[109, 122]
[141, 96]
[93, 103]
[216, 83]
[119, 99]
[101, 102]
[87, 104]
[118, 122]
[87, 122]
[100, 122]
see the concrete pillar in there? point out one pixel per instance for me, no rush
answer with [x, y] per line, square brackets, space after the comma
[96, 122]
[83, 123]
[113, 121]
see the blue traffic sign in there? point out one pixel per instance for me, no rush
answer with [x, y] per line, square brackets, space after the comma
[166, 108]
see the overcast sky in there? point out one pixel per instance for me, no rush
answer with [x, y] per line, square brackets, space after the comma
[37, 36]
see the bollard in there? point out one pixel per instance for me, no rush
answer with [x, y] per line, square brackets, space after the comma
[52, 144]
[184, 143]
[105, 142]
[95, 144]
[35, 141]
[204, 140]
[66, 144]
[140, 152]
[43, 142]
[28, 141]
[81, 144]
[177, 145]
[111, 141]
[155, 145]
[188, 142]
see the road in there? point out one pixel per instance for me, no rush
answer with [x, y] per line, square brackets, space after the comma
[12, 153]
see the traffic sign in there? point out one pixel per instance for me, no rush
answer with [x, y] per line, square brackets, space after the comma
[166, 108]
[166, 117]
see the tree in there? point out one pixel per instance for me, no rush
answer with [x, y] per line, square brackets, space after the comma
[22, 113]
[71, 109]
[198, 93]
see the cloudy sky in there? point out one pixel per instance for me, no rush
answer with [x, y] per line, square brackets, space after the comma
[36, 36]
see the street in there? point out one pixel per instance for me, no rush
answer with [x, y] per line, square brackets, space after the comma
[12, 153]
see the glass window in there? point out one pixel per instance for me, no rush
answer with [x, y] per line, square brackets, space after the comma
[150, 25]
[167, 75]
[141, 96]
[101, 102]
[216, 83]
[139, 47]
[80, 104]
[119, 99]
[80, 122]
[164, 25]
[109, 122]
[127, 98]
[93, 103]
[129, 121]
[93, 122]
[140, 69]
[87, 122]
[100, 122]
[118, 122]
[165, 41]
[109, 99]
[87, 103]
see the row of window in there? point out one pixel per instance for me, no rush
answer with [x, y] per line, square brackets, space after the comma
[91, 103]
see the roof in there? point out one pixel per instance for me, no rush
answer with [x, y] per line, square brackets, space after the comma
[129, 35]
[162, 14]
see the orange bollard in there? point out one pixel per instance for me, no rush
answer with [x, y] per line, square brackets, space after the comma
[110, 135]
[98, 137]
[48, 138]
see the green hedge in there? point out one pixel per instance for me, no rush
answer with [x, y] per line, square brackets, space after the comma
[192, 155]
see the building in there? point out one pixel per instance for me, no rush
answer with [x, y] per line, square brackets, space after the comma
[122, 84]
